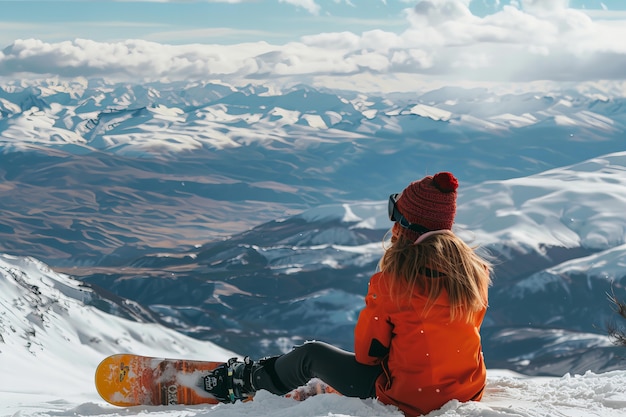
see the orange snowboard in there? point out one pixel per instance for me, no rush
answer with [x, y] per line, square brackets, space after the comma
[127, 380]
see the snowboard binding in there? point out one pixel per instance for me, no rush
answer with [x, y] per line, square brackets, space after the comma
[231, 381]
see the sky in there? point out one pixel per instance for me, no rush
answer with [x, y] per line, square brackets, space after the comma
[227, 21]
[374, 44]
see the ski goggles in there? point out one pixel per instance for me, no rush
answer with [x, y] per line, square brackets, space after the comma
[396, 216]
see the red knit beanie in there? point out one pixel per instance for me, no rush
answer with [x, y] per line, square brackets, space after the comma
[430, 202]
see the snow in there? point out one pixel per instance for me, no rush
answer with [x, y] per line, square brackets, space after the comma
[609, 264]
[577, 205]
[506, 395]
[52, 339]
[432, 112]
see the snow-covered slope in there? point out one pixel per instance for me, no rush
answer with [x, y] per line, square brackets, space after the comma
[573, 206]
[52, 336]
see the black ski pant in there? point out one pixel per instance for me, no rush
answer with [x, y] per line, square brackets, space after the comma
[338, 368]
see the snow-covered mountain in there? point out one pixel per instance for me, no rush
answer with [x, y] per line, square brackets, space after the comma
[556, 239]
[253, 217]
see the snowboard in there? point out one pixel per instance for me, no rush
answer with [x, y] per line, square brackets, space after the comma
[127, 380]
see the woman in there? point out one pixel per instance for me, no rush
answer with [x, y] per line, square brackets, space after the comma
[417, 341]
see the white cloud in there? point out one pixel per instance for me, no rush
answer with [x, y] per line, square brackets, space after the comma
[308, 5]
[342, 40]
[544, 5]
[545, 40]
[536, 41]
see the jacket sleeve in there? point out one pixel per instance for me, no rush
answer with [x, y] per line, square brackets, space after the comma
[372, 334]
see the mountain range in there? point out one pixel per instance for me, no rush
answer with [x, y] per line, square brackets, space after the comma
[253, 217]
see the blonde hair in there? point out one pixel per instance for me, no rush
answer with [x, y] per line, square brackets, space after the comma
[442, 262]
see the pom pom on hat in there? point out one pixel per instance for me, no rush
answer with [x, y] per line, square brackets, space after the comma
[445, 182]
[430, 202]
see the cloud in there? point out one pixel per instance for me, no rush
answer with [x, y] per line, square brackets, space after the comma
[133, 58]
[438, 11]
[539, 40]
[541, 6]
[308, 5]
[543, 40]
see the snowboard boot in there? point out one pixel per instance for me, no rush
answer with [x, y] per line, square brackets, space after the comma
[236, 380]
[231, 381]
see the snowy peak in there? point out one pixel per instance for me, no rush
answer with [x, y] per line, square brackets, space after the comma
[34, 298]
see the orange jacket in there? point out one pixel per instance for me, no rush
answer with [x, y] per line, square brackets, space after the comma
[427, 359]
